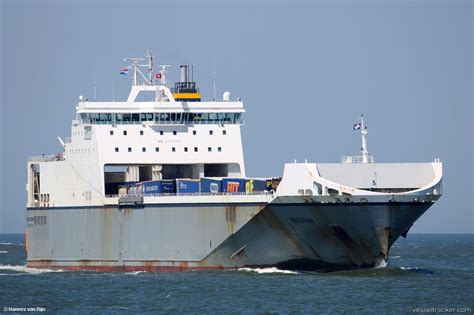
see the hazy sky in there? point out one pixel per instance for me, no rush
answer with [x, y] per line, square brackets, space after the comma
[305, 71]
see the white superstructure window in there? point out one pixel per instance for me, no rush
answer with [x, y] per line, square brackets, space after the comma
[211, 132]
[219, 149]
[173, 149]
[157, 149]
[125, 132]
[143, 149]
[175, 132]
[111, 132]
[209, 149]
[194, 132]
[116, 149]
[141, 132]
[185, 149]
[161, 132]
[195, 149]
[224, 132]
[129, 149]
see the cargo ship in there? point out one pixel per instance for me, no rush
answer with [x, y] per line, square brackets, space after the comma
[160, 185]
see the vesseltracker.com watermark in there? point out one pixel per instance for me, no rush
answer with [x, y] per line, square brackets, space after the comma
[442, 309]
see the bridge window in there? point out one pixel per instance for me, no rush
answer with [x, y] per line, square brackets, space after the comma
[127, 118]
[161, 118]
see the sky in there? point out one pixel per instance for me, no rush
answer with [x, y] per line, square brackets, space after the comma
[305, 71]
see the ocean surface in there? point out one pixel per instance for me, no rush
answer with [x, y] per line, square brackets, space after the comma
[425, 273]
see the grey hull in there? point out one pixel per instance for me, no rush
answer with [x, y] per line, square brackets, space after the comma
[321, 237]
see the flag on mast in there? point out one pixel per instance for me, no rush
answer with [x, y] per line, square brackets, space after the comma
[356, 127]
[124, 71]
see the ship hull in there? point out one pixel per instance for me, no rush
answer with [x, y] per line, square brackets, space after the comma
[167, 238]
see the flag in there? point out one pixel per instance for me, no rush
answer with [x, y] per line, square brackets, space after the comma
[124, 71]
[158, 76]
[356, 126]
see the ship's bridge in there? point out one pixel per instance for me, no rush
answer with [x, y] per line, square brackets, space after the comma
[168, 113]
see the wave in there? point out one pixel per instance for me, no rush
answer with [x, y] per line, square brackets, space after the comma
[3, 252]
[407, 268]
[418, 270]
[135, 272]
[268, 270]
[27, 270]
[6, 243]
[394, 257]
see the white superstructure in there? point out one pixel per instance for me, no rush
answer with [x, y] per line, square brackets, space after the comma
[138, 141]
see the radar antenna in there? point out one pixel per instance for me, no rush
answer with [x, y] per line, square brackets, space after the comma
[136, 65]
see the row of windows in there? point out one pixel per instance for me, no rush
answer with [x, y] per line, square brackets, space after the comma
[173, 149]
[211, 132]
[78, 151]
[162, 118]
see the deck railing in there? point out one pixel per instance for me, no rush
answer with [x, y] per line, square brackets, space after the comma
[46, 158]
[356, 159]
[193, 194]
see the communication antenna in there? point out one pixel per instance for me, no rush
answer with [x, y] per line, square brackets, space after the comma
[95, 88]
[214, 75]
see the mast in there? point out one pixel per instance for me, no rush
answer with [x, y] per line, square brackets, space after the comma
[363, 133]
[135, 64]
[150, 66]
[162, 73]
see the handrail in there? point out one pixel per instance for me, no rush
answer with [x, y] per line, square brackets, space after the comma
[46, 158]
[356, 159]
[193, 194]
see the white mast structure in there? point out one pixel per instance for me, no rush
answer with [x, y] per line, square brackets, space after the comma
[363, 133]
[163, 93]
[163, 72]
[135, 65]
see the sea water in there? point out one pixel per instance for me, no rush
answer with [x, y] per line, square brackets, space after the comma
[425, 273]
